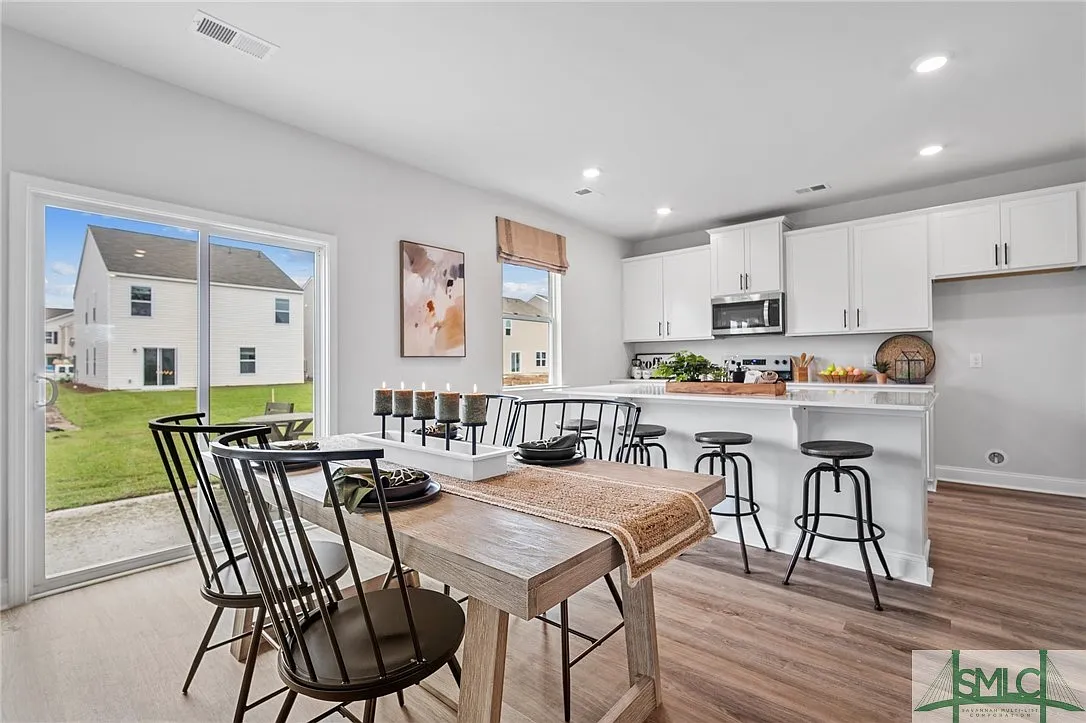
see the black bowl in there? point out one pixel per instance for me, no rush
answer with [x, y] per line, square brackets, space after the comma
[547, 453]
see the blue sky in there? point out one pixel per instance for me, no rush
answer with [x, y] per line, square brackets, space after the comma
[521, 282]
[65, 230]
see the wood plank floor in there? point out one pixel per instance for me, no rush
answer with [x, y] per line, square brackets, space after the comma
[1009, 574]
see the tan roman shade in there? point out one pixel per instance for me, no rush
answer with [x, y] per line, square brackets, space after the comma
[531, 246]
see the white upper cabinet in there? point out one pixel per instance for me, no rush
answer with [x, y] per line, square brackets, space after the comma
[1040, 231]
[642, 299]
[817, 297]
[666, 297]
[1035, 230]
[728, 261]
[764, 258]
[747, 259]
[965, 240]
[688, 310]
[891, 290]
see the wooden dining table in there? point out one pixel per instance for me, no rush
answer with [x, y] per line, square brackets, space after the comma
[285, 425]
[512, 563]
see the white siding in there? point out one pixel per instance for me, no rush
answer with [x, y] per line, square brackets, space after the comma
[91, 320]
[239, 317]
[246, 317]
[62, 326]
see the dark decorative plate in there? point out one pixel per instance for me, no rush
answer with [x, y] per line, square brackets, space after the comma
[892, 349]
[575, 459]
[431, 491]
[400, 492]
[542, 454]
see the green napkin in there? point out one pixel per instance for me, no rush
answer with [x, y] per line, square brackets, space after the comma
[354, 483]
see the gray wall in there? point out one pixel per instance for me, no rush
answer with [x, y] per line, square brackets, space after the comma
[1028, 400]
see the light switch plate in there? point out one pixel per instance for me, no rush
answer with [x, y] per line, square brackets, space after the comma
[869, 360]
[976, 361]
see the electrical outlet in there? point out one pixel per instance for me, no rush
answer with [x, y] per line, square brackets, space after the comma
[976, 361]
[869, 360]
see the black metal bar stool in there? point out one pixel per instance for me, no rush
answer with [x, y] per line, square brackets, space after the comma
[736, 505]
[588, 429]
[807, 522]
[640, 448]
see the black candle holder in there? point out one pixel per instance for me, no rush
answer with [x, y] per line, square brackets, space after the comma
[448, 430]
[474, 433]
[424, 420]
[403, 426]
[384, 419]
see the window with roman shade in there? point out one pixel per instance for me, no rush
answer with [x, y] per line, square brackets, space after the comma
[526, 245]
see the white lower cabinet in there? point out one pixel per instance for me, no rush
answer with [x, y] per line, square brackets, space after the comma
[858, 279]
[666, 297]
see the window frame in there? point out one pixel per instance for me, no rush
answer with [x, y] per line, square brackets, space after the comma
[242, 361]
[554, 369]
[515, 360]
[52, 337]
[285, 311]
[149, 301]
[540, 354]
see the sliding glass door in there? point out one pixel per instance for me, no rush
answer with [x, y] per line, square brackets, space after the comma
[135, 310]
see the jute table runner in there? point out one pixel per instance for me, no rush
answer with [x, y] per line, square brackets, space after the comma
[651, 524]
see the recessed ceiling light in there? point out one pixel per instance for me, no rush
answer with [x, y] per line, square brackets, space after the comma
[930, 150]
[591, 173]
[929, 63]
[664, 211]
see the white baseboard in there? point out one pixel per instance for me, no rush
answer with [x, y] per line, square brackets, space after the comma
[1013, 480]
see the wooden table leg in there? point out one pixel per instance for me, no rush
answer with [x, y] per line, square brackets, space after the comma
[484, 663]
[643, 659]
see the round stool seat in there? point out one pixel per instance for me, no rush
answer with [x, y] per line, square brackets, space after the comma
[579, 425]
[645, 430]
[836, 449]
[723, 439]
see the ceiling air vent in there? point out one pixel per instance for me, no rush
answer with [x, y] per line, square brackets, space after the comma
[230, 36]
[583, 191]
[812, 189]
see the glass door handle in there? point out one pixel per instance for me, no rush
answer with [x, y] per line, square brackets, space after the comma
[54, 390]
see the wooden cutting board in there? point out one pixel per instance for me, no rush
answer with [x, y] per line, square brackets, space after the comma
[727, 388]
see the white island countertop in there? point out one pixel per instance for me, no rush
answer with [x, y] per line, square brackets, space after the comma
[876, 398]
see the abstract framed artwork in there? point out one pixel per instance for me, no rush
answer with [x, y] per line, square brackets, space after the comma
[432, 301]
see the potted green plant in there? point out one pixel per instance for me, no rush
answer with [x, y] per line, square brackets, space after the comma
[686, 366]
[881, 368]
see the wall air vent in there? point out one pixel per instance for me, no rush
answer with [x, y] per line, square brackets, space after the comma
[583, 191]
[232, 37]
[812, 189]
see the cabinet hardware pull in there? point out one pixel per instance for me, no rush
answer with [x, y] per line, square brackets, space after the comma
[748, 282]
[740, 282]
[997, 254]
[857, 317]
[1006, 254]
[659, 328]
[844, 318]
[669, 328]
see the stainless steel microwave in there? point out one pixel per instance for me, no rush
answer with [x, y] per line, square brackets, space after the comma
[748, 314]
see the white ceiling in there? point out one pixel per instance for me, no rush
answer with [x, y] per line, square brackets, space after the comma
[718, 110]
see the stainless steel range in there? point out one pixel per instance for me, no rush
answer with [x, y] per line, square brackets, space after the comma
[780, 363]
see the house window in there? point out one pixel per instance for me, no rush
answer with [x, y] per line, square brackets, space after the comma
[530, 319]
[86, 363]
[141, 300]
[282, 311]
[50, 337]
[95, 364]
[248, 360]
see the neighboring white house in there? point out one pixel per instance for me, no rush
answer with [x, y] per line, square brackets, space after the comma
[525, 344]
[308, 291]
[136, 314]
[59, 338]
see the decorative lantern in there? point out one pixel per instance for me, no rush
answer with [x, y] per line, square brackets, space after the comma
[909, 368]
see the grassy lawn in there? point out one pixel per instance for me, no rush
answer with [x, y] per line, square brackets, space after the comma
[112, 455]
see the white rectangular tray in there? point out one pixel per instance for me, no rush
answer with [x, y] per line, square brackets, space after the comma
[488, 460]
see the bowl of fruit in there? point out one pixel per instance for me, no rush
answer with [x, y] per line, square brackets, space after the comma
[843, 375]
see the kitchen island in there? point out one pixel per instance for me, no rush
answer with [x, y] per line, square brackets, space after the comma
[895, 420]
